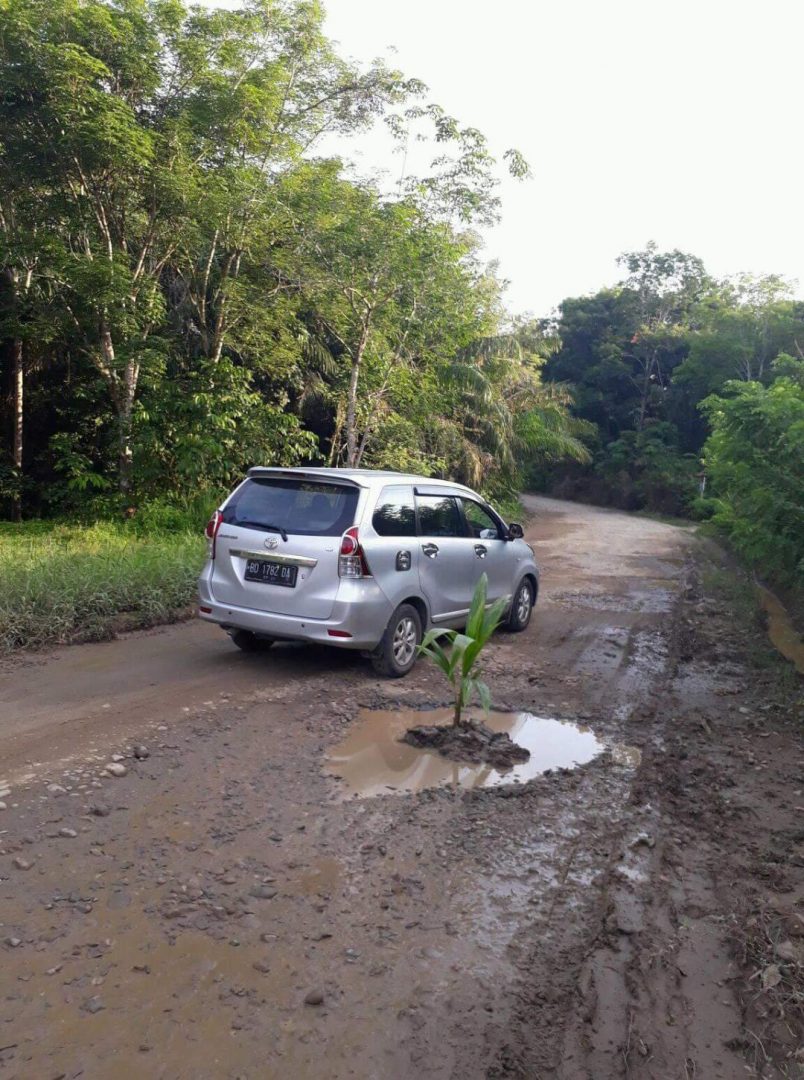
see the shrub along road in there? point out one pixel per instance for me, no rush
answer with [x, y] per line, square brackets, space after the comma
[223, 910]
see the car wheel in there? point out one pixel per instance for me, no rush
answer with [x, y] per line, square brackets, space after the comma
[396, 654]
[248, 642]
[521, 608]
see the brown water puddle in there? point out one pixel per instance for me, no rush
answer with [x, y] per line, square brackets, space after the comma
[372, 761]
[786, 639]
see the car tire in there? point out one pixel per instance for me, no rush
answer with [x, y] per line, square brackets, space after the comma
[521, 607]
[396, 654]
[248, 642]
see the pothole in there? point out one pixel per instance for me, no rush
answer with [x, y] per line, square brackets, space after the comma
[371, 760]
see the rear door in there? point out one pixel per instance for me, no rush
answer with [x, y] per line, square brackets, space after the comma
[446, 557]
[390, 542]
[493, 555]
[278, 544]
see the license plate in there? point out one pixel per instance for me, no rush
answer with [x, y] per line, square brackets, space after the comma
[271, 573]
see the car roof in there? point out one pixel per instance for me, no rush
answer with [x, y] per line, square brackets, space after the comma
[362, 477]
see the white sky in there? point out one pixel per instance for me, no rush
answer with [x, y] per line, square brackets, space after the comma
[679, 122]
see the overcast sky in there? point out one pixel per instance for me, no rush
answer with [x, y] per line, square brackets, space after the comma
[641, 120]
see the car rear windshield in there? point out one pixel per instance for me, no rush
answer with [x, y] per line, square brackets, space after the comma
[297, 506]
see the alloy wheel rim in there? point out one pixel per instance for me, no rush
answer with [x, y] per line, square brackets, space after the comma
[404, 644]
[523, 607]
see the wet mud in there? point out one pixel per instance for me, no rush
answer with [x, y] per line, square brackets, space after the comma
[227, 907]
[472, 742]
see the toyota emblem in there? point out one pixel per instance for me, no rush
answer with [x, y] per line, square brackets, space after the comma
[271, 542]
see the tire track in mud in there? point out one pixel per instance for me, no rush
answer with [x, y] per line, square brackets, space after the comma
[570, 1023]
[653, 989]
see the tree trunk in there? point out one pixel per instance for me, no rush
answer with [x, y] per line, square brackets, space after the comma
[18, 378]
[123, 392]
[335, 446]
[351, 415]
[125, 417]
[124, 456]
[643, 404]
[648, 369]
[351, 401]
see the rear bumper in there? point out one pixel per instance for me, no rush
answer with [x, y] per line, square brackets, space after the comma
[361, 610]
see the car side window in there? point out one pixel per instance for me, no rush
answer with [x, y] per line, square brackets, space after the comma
[395, 514]
[481, 524]
[439, 516]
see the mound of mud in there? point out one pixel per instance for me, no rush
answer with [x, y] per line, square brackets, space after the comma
[468, 742]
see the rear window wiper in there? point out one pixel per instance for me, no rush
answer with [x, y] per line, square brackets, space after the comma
[261, 525]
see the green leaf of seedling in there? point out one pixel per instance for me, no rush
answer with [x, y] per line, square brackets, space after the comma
[494, 615]
[471, 654]
[436, 634]
[484, 696]
[459, 644]
[440, 658]
[475, 620]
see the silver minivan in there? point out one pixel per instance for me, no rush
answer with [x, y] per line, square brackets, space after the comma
[357, 558]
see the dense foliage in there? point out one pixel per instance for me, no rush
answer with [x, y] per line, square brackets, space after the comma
[755, 456]
[644, 354]
[186, 289]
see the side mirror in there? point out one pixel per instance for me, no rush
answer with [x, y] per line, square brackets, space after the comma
[515, 531]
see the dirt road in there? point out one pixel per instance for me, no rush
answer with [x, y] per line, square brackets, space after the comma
[229, 909]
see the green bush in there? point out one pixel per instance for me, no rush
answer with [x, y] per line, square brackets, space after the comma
[755, 459]
[703, 508]
[155, 516]
[646, 471]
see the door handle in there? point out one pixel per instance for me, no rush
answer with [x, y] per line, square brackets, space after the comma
[430, 550]
[481, 551]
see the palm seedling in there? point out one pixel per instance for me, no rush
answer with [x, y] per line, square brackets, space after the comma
[456, 654]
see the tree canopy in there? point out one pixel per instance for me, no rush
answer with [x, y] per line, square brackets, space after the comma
[642, 356]
[187, 288]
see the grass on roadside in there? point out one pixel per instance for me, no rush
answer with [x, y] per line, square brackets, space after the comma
[64, 582]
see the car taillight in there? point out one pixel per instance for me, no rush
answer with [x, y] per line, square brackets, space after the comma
[352, 560]
[211, 532]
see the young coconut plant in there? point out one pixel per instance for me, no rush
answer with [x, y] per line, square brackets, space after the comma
[459, 662]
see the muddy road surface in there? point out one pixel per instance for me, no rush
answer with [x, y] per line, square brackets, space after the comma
[270, 890]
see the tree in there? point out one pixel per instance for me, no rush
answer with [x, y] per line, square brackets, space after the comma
[504, 415]
[666, 286]
[740, 328]
[620, 353]
[149, 124]
[387, 290]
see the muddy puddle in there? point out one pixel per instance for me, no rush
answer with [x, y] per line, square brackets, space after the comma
[372, 761]
[783, 634]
